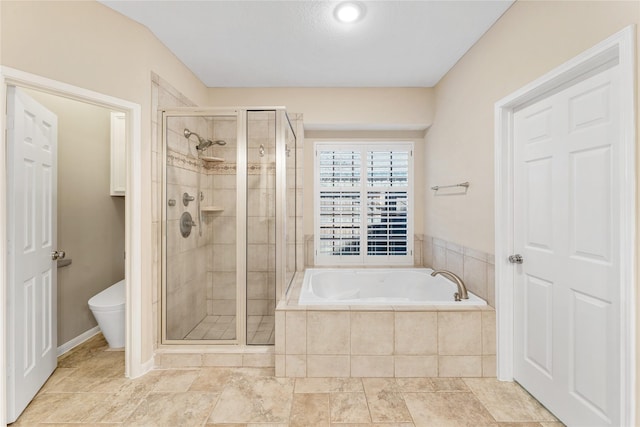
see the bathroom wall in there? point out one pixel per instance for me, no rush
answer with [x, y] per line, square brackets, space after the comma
[90, 222]
[341, 108]
[89, 45]
[530, 39]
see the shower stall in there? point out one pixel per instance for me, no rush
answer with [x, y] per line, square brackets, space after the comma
[228, 226]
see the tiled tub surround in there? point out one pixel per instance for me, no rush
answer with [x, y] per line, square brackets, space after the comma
[475, 267]
[383, 341]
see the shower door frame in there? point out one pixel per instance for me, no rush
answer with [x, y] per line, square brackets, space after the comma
[241, 114]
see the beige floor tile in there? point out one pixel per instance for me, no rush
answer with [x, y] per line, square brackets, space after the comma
[102, 365]
[507, 401]
[91, 390]
[374, 425]
[518, 425]
[255, 400]
[74, 425]
[385, 400]
[173, 409]
[82, 353]
[212, 379]
[328, 385]
[349, 408]
[62, 407]
[310, 409]
[116, 408]
[447, 409]
[58, 375]
[174, 380]
[416, 385]
[449, 384]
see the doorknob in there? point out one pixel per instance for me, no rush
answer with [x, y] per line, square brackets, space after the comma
[516, 259]
[55, 255]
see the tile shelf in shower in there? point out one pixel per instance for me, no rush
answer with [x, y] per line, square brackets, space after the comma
[212, 209]
[210, 159]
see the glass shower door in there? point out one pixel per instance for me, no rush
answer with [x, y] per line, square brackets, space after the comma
[261, 226]
[199, 228]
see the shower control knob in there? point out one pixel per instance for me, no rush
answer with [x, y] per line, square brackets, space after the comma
[516, 259]
[56, 255]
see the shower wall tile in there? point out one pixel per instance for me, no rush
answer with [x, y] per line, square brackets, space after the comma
[257, 307]
[257, 257]
[258, 230]
[223, 228]
[224, 307]
[224, 258]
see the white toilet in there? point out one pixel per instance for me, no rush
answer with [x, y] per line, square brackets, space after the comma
[108, 309]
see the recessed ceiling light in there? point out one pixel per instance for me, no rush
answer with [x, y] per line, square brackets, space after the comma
[349, 12]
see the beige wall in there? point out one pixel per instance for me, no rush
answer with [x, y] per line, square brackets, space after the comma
[340, 108]
[90, 221]
[89, 45]
[529, 40]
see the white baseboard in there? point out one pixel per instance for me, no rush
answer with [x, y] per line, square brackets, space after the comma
[142, 369]
[77, 340]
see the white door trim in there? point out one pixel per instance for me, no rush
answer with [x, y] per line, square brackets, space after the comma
[134, 366]
[621, 48]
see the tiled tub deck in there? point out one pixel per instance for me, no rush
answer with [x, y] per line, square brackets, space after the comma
[383, 341]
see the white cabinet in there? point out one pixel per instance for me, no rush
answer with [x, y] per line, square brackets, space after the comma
[118, 154]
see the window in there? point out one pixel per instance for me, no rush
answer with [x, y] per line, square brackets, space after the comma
[364, 206]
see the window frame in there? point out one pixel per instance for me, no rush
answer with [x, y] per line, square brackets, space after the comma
[364, 259]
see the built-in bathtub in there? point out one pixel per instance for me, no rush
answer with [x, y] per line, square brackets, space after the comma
[342, 325]
[376, 286]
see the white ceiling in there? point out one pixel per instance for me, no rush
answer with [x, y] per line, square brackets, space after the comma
[300, 44]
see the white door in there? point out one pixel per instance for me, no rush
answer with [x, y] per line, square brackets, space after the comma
[31, 230]
[566, 227]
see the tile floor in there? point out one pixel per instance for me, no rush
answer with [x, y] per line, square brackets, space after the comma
[88, 388]
[260, 329]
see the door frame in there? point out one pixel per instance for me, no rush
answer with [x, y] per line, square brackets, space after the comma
[134, 366]
[619, 47]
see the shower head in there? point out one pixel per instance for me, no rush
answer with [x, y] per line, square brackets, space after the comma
[203, 144]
